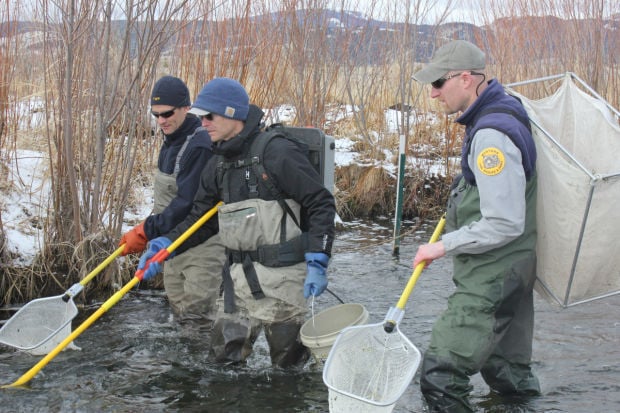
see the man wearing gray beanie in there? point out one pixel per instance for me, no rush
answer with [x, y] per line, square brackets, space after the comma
[192, 278]
[490, 236]
[277, 226]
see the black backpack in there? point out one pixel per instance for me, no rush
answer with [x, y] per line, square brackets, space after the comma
[318, 147]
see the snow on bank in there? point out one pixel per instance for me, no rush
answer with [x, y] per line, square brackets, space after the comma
[26, 194]
[24, 204]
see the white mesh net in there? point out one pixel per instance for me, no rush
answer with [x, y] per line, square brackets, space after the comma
[37, 322]
[578, 140]
[368, 369]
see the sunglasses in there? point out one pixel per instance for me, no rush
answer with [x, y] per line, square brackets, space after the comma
[208, 116]
[165, 114]
[438, 84]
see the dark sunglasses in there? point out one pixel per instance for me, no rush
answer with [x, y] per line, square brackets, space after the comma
[165, 114]
[208, 116]
[438, 84]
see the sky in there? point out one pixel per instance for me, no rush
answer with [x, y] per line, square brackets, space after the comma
[471, 11]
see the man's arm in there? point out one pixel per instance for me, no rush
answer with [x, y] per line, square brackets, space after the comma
[502, 197]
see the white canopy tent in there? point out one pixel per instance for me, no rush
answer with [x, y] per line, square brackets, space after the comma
[577, 137]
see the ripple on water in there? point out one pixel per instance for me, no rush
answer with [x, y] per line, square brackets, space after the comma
[138, 358]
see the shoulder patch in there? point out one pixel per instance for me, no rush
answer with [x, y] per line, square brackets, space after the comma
[491, 161]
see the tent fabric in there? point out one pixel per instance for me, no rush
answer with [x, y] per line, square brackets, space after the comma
[578, 142]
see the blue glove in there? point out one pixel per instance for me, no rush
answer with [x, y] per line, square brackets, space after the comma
[316, 279]
[153, 248]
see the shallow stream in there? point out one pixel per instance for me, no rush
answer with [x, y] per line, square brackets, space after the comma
[137, 358]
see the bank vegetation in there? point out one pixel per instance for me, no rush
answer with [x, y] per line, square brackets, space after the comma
[85, 69]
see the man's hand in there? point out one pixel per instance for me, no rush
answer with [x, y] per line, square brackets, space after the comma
[135, 240]
[316, 279]
[154, 268]
[428, 253]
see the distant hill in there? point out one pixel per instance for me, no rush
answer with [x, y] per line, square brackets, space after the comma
[367, 38]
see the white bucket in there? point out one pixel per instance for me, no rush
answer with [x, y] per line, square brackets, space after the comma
[320, 332]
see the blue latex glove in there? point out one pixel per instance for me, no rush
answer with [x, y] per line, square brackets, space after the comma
[316, 279]
[153, 248]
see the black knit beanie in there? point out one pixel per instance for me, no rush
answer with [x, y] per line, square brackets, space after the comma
[172, 91]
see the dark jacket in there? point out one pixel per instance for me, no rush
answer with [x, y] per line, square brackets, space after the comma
[497, 110]
[292, 172]
[194, 158]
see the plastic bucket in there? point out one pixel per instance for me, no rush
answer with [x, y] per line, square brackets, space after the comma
[320, 332]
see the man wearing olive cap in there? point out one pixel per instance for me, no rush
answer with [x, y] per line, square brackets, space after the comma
[490, 236]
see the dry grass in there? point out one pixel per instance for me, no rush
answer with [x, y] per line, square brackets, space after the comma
[370, 193]
[97, 134]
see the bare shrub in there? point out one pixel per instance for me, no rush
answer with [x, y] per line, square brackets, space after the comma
[97, 132]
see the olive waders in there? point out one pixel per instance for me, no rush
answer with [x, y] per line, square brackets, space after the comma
[488, 325]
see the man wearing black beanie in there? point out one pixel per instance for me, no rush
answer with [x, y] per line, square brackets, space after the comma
[192, 277]
[277, 225]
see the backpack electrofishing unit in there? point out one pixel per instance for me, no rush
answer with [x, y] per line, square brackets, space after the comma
[318, 147]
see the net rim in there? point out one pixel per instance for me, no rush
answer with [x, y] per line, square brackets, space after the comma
[7, 336]
[327, 368]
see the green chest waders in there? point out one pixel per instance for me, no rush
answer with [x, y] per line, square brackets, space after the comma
[488, 324]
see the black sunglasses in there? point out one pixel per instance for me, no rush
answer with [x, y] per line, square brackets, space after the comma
[208, 116]
[165, 114]
[438, 84]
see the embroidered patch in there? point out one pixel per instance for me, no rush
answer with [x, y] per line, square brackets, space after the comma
[229, 112]
[491, 161]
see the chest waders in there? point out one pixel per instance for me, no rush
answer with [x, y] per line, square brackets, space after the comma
[192, 279]
[264, 273]
[488, 325]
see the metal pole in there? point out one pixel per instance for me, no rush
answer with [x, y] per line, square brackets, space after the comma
[399, 196]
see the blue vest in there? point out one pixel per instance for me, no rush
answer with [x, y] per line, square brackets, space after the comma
[497, 110]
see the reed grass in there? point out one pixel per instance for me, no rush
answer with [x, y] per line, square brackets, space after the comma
[93, 77]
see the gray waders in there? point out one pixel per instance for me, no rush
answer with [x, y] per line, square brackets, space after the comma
[192, 280]
[257, 295]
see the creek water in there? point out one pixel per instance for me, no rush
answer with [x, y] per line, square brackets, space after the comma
[138, 358]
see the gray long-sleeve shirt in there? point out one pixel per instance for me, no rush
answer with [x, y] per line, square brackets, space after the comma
[502, 199]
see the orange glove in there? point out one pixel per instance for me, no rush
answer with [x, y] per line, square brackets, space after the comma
[134, 240]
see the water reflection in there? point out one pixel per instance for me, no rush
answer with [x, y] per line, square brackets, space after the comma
[137, 358]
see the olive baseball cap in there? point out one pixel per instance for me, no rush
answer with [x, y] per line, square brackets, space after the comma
[456, 55]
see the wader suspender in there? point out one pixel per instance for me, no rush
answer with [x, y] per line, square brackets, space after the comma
[177, 164]
[283, 254]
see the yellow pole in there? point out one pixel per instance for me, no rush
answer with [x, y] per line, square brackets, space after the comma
[25, 378]
[418, 269]
[101, 266]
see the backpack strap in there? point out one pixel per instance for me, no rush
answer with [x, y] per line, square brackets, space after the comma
[256, 170]
[250, 175]
[257, 153]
